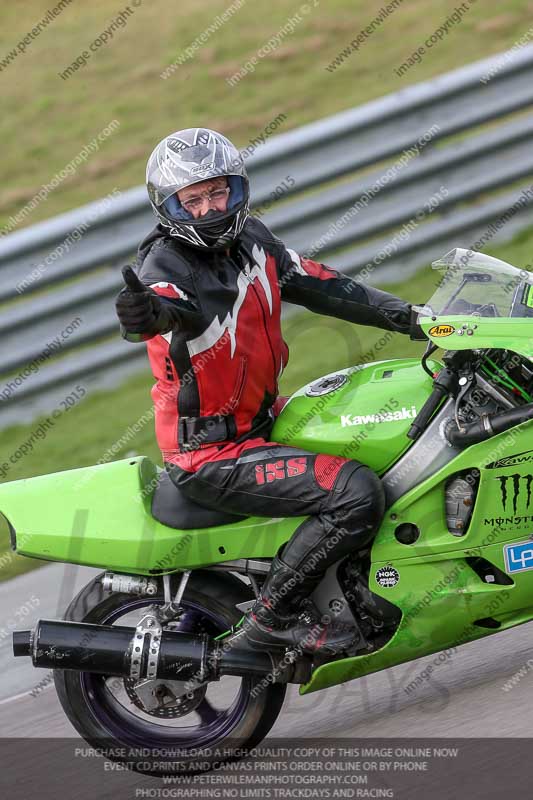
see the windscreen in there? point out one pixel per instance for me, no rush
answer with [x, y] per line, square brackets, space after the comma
[474, 284]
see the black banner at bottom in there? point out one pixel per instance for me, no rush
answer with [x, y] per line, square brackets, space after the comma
[299, 769]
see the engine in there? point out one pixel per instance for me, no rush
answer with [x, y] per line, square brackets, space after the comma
[498, 381]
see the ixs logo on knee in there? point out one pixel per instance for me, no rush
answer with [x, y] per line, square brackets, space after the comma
[278, 470]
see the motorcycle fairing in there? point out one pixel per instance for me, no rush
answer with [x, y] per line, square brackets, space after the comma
[440, 594]
[100, 517]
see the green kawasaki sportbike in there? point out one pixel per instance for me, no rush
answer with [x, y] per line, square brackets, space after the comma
[149, 655]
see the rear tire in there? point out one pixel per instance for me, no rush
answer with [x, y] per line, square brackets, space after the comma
[95, 718]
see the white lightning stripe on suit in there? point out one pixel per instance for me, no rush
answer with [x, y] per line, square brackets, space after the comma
[217, 329]
[164, 285]
[296, 260]
[181, 294]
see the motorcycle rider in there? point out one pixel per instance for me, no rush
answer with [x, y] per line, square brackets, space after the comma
[206, 300]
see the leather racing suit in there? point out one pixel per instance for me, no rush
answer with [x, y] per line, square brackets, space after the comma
[217, 368]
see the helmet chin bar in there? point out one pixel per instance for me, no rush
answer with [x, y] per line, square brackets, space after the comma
[218, 227]
[214, 231]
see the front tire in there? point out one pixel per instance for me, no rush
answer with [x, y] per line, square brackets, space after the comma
[93, 707]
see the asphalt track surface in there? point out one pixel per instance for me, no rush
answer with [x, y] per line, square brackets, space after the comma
[463, 698]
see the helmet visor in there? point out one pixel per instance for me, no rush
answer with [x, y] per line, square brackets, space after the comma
[175, 210]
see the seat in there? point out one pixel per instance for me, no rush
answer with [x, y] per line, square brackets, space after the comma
[171, 507]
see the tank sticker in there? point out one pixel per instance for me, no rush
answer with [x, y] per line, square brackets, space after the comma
[441, 330]
[388, 416]
[518, 556]
[387, 577]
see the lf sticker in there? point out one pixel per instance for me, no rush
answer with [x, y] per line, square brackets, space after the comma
[518, 557]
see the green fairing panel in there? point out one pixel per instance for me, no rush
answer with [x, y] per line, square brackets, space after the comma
[455, 332]
[441, 601]
[439, 594]
[366, 418]
[100, 516]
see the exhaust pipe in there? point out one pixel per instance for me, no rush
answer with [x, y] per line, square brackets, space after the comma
[126, 653]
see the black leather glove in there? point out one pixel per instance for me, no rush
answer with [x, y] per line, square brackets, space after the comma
[416, 334]
[140, 309]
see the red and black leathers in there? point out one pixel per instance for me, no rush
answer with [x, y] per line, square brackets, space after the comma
[224, 354]
[344, 502]
[217, 360]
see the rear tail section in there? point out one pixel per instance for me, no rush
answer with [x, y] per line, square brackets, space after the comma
[101, 517]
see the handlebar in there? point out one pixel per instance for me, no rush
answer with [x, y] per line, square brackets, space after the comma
[442, 386]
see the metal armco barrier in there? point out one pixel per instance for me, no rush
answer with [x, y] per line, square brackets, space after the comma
[378, 190]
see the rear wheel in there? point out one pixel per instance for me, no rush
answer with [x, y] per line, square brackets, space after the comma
[216, 721]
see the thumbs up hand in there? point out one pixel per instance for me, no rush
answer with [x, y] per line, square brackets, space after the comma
[138, 307]
[132, 281]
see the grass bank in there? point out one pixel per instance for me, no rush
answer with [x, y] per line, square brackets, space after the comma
[300, 62]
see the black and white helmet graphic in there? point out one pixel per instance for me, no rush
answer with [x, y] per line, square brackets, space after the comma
[187, 157]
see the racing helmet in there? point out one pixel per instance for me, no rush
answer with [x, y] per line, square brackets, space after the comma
[191, 156]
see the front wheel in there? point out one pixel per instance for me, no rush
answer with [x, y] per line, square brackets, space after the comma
[220, 718]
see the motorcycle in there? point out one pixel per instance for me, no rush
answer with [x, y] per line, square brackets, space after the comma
[150, 655]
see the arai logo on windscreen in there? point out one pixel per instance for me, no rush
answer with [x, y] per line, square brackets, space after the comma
[441, 330]
[388, 416]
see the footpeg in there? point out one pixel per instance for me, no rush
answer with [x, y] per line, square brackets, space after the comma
[246, 606]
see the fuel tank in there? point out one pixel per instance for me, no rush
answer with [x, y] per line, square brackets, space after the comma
[363, 412]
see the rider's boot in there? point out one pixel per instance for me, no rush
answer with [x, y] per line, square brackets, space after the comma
[347, 521]
[267, 627]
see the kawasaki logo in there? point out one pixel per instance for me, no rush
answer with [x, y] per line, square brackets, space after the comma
[511, 461]
[513, 483]
[387, 416]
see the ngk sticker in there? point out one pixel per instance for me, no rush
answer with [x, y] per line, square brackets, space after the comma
[387, 577]
[388, 416]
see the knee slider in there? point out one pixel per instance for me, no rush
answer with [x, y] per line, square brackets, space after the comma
[360, 494]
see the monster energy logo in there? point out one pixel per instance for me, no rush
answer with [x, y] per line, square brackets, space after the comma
[512, 483]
